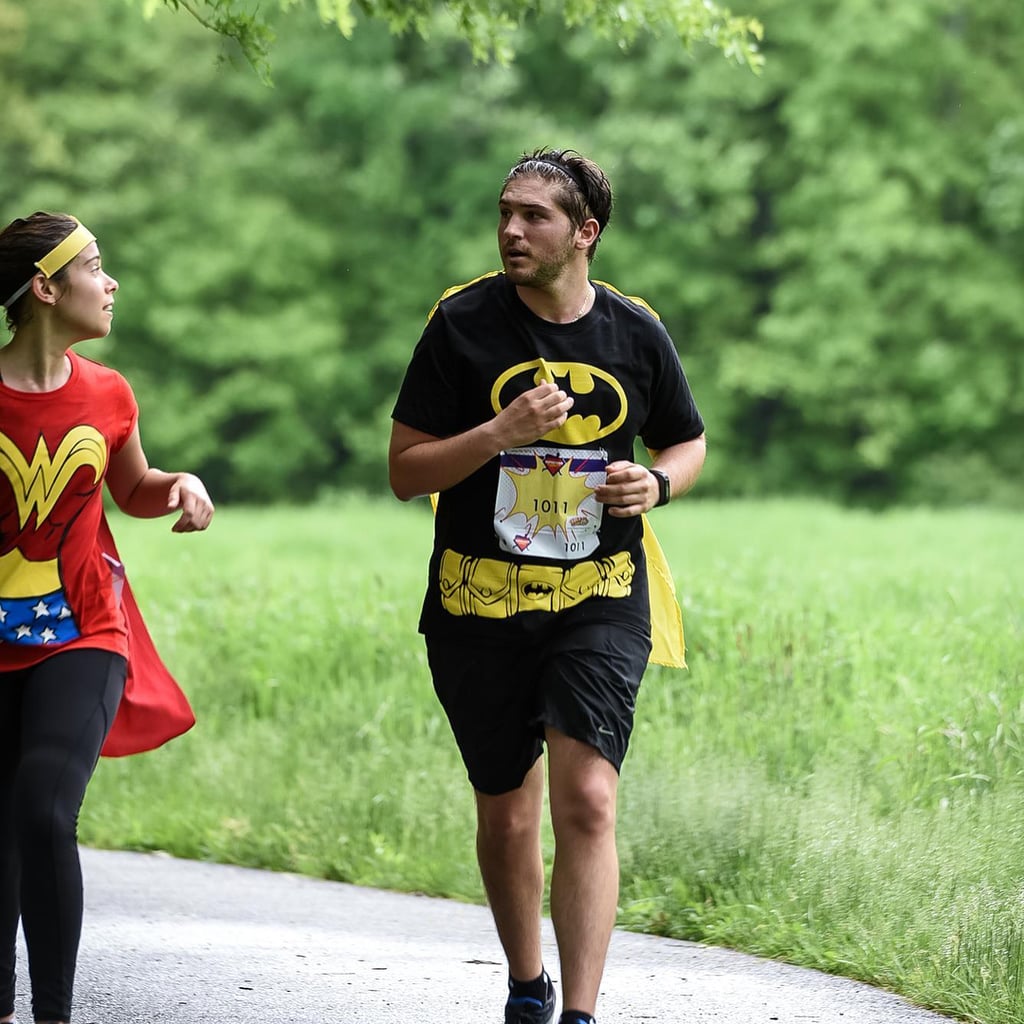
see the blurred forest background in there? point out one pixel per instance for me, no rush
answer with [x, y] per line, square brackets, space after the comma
[836, 244]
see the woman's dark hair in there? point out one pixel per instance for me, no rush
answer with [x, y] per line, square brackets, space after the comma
[584, 189]
[22, 242]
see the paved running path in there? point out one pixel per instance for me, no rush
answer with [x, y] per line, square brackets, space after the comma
[179, 941]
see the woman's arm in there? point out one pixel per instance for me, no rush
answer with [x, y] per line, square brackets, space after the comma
[144, 492]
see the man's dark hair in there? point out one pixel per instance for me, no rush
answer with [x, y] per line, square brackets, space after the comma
[584, 190]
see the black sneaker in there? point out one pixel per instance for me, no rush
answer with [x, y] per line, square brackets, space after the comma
[531, 1011]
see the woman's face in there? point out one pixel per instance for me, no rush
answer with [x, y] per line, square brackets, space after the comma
[86, 295]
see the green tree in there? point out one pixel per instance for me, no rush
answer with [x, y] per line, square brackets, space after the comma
[836, 245]
[490, 27]
[886, 362]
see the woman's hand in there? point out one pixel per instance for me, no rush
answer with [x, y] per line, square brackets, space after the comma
[189, 495]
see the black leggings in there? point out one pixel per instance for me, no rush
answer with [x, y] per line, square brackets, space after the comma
[54, 718]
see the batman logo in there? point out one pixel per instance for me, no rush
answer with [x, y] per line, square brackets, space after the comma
[537, 590]
[599, 407]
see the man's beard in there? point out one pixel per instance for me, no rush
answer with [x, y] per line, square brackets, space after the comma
[543, 272]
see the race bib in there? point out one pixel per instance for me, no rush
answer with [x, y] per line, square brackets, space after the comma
[545, 505]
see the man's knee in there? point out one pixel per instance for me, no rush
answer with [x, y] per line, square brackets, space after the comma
[505, 822]
[586, 808]
[583, 800]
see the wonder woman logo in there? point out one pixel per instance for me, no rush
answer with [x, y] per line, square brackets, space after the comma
[39, 484]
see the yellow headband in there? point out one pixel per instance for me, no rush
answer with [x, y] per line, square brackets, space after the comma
[59, 256]
[64, 252]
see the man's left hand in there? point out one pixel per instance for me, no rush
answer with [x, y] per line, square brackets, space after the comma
[629, 489]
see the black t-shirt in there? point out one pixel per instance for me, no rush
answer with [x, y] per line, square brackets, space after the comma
[522, 540]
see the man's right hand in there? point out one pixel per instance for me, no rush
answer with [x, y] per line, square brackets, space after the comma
[421, 463]
[532, 415]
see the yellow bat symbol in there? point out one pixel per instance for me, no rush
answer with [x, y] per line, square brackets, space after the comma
[579, 380]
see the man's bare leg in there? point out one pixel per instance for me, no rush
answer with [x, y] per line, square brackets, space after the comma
[512, 869]
[585, 877]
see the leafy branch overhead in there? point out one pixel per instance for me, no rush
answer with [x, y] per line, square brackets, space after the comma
[489, 26]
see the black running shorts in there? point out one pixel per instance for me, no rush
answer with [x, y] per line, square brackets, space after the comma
[581, 679]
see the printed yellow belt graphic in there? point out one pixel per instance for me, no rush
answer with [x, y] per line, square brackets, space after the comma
[496, 589]
[20, 578]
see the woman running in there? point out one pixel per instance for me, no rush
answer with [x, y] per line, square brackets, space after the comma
[69, 628]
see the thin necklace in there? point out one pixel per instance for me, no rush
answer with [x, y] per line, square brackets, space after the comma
[583, 308]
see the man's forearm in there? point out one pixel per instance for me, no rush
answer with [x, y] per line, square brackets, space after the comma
[429, 466]
[683, 463]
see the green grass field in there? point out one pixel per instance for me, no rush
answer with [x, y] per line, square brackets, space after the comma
[837, 780]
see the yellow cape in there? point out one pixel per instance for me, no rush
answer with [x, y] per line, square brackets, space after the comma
[668, 643]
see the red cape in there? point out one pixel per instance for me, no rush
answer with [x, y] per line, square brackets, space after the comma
[153, 709]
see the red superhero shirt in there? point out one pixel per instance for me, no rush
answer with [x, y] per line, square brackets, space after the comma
[60, 584]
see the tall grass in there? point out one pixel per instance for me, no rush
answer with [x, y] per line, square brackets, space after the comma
[836, 781]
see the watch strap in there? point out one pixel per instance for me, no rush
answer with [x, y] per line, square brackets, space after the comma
[664, 487]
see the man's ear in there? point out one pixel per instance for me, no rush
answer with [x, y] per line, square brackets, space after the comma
[588, 233]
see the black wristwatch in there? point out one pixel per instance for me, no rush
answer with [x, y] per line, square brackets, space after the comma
[664, 487]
